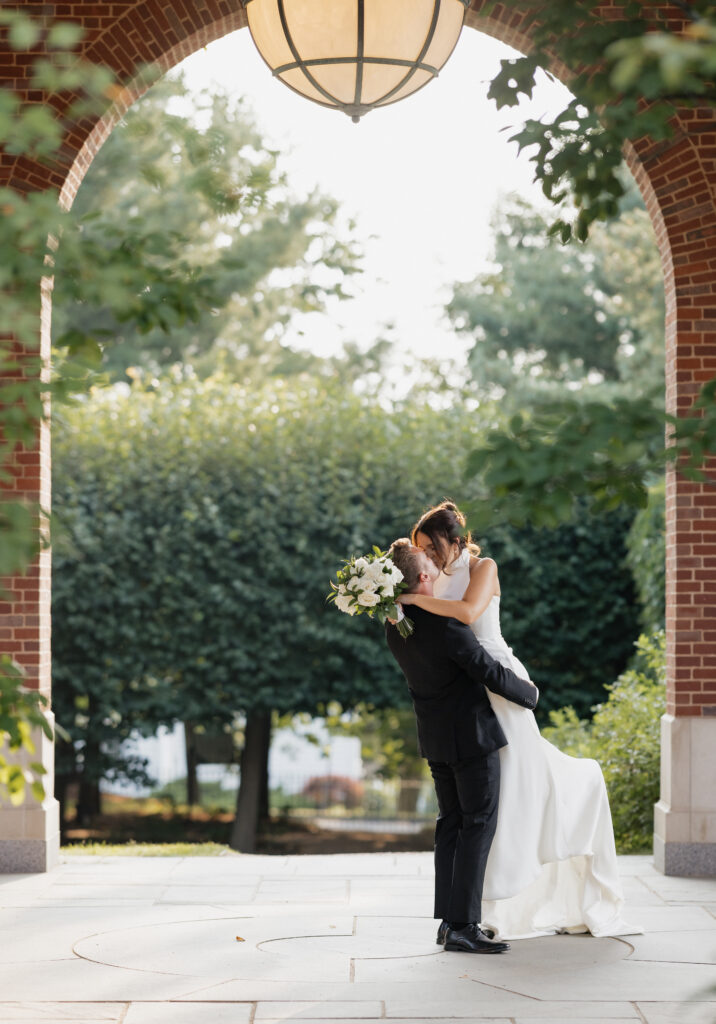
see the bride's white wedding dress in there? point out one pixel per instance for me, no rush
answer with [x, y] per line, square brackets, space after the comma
[552, 865]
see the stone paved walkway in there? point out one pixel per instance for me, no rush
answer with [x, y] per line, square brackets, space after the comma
[346, 939]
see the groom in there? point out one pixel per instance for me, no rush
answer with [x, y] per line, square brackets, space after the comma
[458, 732]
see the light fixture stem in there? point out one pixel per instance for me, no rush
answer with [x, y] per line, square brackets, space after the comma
[360, 51]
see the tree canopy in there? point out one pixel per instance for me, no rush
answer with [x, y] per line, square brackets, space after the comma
[548, 315]
[211, 253]
[572, 342]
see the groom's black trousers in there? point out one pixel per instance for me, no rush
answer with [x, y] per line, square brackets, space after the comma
[467, 793]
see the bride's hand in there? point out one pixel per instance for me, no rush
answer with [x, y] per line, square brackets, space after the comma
[401, 615]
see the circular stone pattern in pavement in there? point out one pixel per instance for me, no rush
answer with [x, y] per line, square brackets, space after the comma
[209, 949]
[196, 949]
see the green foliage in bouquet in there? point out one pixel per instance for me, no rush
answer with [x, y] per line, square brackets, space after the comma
[624, 737]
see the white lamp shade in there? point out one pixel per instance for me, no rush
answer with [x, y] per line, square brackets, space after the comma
[355, 55]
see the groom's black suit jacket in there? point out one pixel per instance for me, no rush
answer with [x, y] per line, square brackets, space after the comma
[447, 671]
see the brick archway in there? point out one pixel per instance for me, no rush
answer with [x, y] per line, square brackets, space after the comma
[678, 181]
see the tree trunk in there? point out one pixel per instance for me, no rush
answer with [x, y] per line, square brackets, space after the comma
[408, 796]
[254, 760]
[193, 797]
[61, 784]
[66, 777]
[264, 808]
[89, 801]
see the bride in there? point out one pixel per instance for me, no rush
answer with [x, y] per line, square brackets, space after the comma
[552, 865]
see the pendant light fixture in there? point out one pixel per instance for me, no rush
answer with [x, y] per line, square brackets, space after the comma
[355, 55]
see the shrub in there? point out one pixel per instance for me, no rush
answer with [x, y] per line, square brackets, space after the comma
[623, 736]
[646, 557]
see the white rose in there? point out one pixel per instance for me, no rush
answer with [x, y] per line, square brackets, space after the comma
[345, 603]
[368, 585]
[361, 564]
[387, 590]
[341, 589]
[368, 600]
[396, 575]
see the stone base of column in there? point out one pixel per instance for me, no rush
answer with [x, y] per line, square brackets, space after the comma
[28, 856]
[30, 833]
[685, 816]
[688, 860]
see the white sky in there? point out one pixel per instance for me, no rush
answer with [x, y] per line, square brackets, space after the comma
[422, 176]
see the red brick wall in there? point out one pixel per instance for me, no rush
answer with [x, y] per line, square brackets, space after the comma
[680, 192]
[684, 181]
[25, 615]
[677, 178]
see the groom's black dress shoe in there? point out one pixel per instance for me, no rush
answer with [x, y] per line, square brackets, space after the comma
[445, 927]
[472, 940]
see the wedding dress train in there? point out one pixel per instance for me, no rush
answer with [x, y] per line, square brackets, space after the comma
[552, 865]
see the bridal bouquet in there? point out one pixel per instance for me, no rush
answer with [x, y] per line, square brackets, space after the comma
[371, 584]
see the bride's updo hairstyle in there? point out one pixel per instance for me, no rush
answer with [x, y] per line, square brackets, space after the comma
[445, 525]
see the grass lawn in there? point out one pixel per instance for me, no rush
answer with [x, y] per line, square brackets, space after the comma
[131, 849]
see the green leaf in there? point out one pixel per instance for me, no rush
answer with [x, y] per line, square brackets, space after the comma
[64, 35]
[23, 32]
